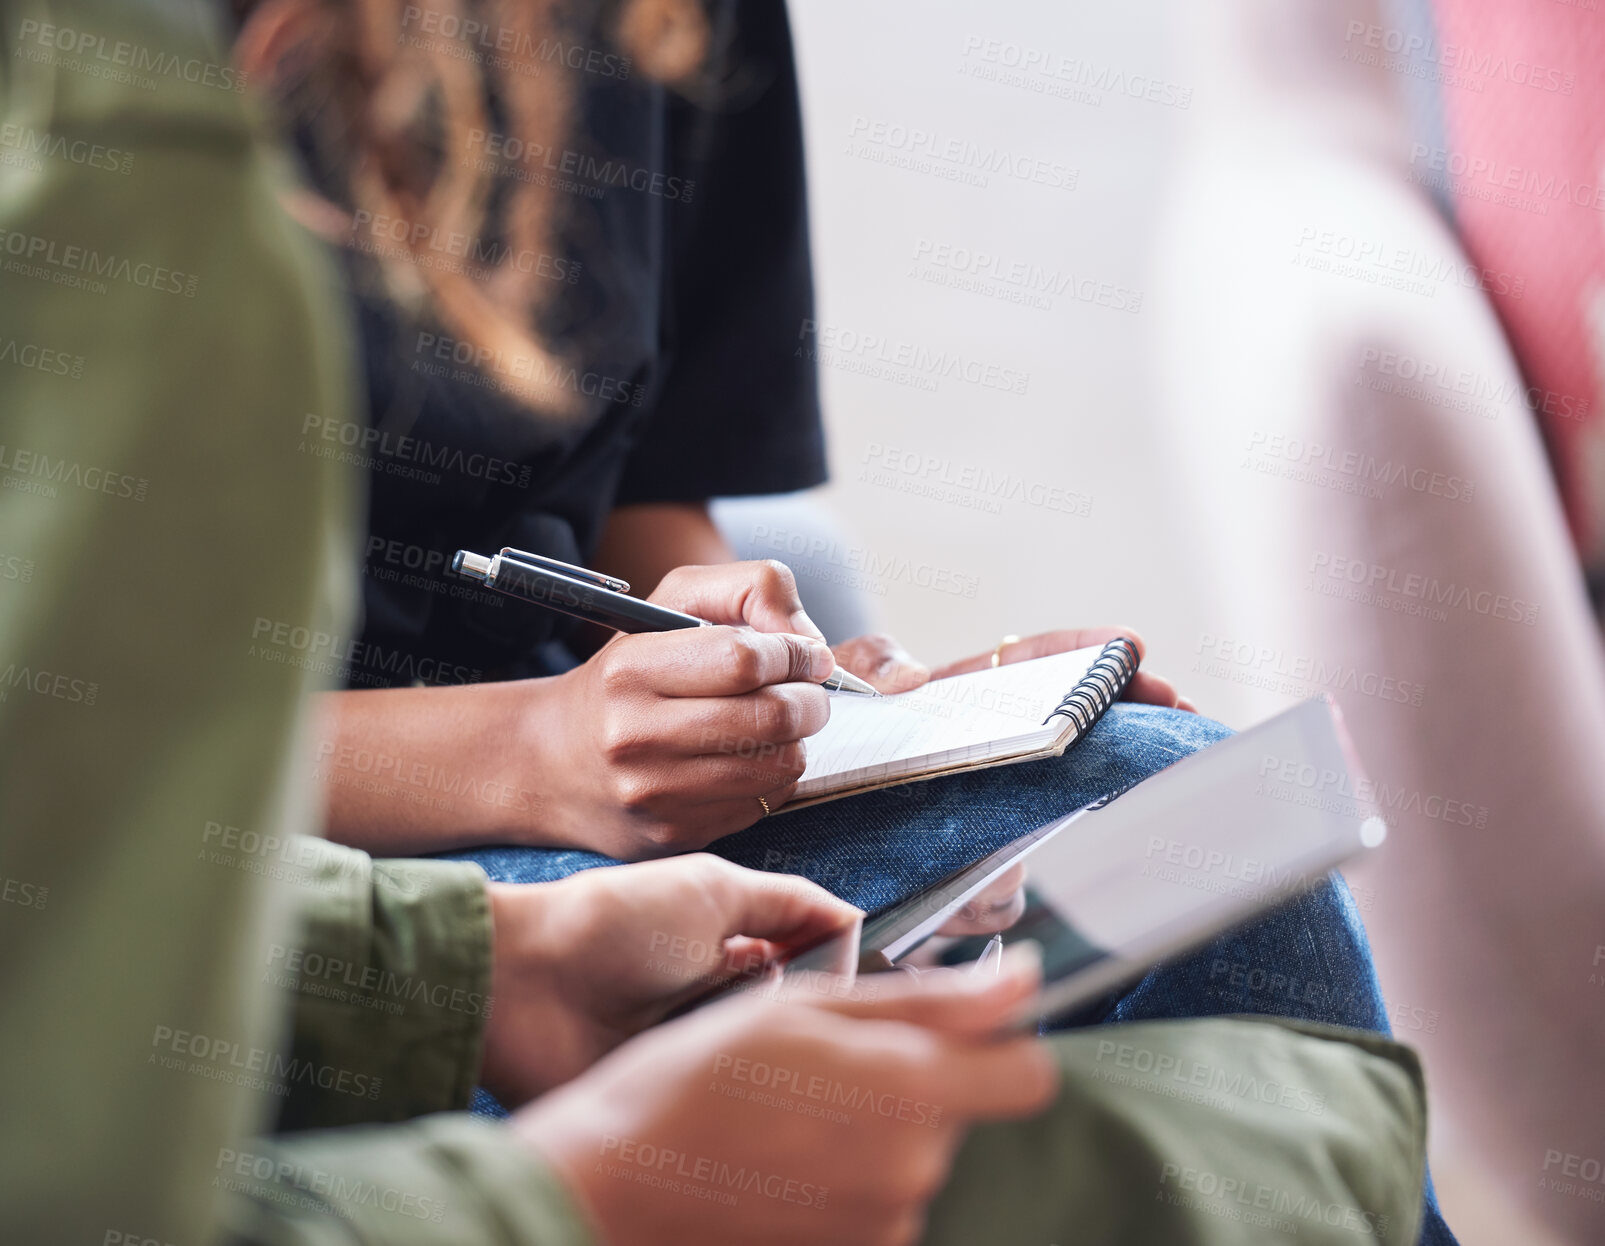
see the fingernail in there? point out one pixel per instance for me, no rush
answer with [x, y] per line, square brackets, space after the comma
[821, 662]
[1022, 961]
[803, 625]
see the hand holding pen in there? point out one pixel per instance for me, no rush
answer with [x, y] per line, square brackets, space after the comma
[662, 743]
[603, 599]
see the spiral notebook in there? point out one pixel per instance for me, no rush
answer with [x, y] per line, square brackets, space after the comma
[994, 717]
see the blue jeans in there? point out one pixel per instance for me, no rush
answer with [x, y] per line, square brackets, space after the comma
[1308, 958]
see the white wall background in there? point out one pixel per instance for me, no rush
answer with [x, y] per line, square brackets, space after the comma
[1082, 425]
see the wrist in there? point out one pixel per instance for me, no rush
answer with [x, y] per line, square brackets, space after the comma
[509, 767]
[539, 930]
[538, 730]
[524, 968]
[520, 941]
[559, 1133]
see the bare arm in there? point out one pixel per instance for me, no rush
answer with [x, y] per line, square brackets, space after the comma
[640, 751]
[642, 544]
[413, 770]
[417, 770]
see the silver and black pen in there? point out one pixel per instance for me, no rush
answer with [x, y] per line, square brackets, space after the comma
[585, 594]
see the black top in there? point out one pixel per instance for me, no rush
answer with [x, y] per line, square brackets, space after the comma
[684, 284]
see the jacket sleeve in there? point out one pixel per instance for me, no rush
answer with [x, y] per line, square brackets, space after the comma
[443, 1179]
[163, 339]
[387, 972]
[1224, 1131]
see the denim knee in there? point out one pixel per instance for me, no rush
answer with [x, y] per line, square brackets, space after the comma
[1307, 958]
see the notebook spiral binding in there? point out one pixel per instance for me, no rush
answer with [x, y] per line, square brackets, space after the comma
[1099, 688]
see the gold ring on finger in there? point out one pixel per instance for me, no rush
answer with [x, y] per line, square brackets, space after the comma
[997, 654]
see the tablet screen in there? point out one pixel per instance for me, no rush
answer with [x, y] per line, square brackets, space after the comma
[1199, 847]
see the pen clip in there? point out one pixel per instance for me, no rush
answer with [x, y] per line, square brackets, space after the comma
[563, 568]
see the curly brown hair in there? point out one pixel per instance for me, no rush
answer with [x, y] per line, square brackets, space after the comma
[390, 89]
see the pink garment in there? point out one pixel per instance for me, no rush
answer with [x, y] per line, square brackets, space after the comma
[1523, 90]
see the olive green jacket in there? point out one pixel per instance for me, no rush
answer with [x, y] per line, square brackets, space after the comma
[183, 971]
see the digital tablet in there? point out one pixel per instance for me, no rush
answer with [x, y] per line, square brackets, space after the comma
[1196, 849]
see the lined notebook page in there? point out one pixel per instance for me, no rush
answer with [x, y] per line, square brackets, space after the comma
[985, 716]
